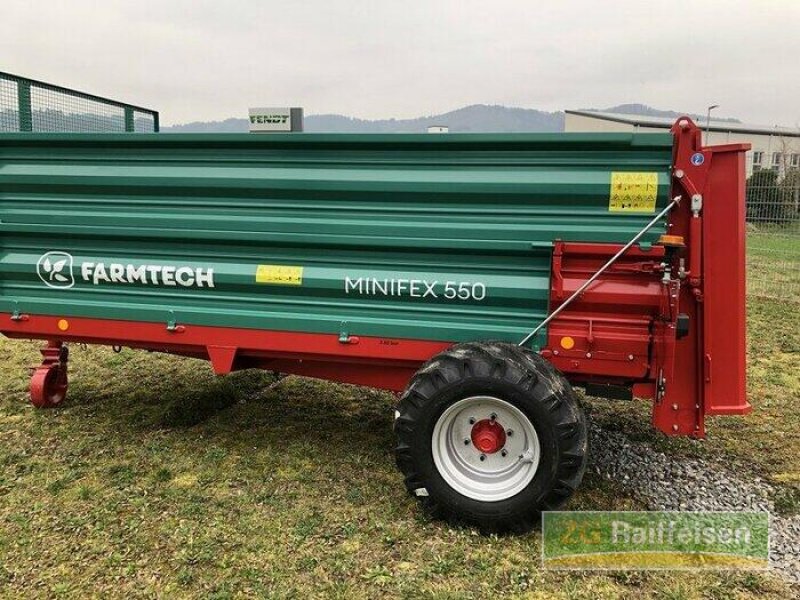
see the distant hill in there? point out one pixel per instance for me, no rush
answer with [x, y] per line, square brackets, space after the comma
[475, 118]
[470, 119]
[648, 111]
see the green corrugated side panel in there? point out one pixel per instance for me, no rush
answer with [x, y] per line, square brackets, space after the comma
[478, 210]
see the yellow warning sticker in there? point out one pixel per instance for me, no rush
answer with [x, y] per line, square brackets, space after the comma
[633, 192]
[279, 274]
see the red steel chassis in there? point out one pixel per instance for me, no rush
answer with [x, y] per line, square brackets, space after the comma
[623, 330]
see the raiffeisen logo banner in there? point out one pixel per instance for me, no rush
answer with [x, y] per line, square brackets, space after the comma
[655, 540]
[59, 269]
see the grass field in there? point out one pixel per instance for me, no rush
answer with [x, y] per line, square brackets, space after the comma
[156, 479]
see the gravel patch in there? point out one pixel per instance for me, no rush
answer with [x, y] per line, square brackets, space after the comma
[666, 483]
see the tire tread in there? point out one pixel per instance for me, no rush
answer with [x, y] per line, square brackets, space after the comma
[541, 382]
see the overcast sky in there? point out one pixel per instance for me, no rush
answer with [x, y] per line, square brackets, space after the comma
[209, 60]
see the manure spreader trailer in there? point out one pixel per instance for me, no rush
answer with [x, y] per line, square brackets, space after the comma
[480, 275]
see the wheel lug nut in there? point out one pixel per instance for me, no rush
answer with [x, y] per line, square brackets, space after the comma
[466, 442]
[503, 453]
[483, 457]
[472, 420]
[493, 417]
[510, 432]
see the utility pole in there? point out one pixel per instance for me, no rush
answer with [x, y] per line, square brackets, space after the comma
[708, 119]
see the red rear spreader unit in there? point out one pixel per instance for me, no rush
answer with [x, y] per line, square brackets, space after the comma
[489, 429]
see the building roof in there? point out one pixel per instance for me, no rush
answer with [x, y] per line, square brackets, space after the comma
[715, 125]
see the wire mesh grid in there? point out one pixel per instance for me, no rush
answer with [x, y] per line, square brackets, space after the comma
[9, 114]
[59, 112]
[143, 122]
[773, 240]
[35, 106]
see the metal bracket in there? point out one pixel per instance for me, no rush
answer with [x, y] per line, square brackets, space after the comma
[18, 316]
[172, 323]
[661, 386]
[346, 338]
[697, 204]
[173, 327]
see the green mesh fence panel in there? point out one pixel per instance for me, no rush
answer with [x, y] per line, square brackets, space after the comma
[9, 112]
[143, 122]
[29, 105]
[773, 238]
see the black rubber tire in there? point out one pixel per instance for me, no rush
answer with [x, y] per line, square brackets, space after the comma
[519, 377]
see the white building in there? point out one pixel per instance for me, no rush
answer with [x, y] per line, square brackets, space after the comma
[775, 148]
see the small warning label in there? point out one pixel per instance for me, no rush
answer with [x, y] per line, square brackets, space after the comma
[279, 274]
[633, 192]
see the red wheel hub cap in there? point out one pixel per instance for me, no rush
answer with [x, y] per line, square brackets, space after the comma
[488, 436]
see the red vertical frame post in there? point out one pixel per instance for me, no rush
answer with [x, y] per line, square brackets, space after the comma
[724, 294]
[710, 362]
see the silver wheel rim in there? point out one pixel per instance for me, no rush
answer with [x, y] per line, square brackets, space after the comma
[486, 476]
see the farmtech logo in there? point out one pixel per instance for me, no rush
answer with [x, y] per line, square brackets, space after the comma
[55, 269]
[58, 270]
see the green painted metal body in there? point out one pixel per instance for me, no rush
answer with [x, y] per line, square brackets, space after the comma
[478, 211]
